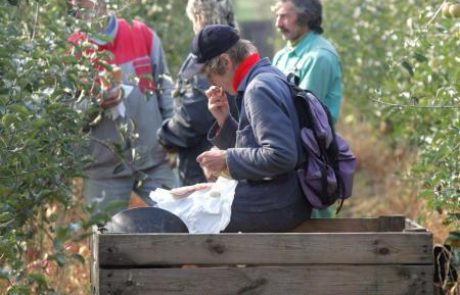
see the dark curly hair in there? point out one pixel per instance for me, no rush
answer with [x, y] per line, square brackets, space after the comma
[309, 13]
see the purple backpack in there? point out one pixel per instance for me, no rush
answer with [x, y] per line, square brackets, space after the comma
[326, 172]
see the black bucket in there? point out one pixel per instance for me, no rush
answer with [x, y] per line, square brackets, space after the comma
[145, 220]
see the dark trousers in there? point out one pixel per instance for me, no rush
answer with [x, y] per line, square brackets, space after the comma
[277, 220]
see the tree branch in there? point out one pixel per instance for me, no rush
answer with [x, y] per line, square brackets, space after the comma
[395, 105]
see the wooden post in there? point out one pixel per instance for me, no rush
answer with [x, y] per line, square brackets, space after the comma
[94, 263]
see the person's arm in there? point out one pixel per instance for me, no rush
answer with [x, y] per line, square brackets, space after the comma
[191, 120]
[224, 137]
[273, 130]
[223, 133]
[162, 78]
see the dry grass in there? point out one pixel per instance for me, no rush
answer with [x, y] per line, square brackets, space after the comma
[73, 278]
[381, 186]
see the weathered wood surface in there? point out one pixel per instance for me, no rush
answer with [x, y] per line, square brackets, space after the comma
[381, 224]
[269, 249]
[271, 280]
[94, 261]
[412, 226]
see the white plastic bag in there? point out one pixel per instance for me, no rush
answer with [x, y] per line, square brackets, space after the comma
[205, 211]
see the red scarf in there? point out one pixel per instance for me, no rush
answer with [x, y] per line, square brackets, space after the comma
[244, 68]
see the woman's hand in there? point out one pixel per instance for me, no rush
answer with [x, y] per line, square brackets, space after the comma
[213, 162]
[218, 104]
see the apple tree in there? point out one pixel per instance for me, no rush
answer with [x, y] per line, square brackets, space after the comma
[42, 138]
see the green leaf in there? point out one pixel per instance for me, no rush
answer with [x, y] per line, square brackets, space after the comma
[454, 236]
[426, 194]
[59, 258]
[62, 234]
[406, 65]
[6, 216]
[38, 278]
[420, 57]
[79, 258]
[6, 223]
[13, 2]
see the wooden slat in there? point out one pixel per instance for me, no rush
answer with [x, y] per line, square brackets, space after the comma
[412, 226]
[391, 223]
[381, 224]
[94, 261]
[271, 280]
[268, 249]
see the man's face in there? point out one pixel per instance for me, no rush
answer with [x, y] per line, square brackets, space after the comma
[286, 22]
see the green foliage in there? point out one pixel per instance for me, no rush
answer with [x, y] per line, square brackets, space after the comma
[402, 68]
[244, 10]
[42, 142]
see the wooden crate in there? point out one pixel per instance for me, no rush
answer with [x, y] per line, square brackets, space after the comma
[386, 255]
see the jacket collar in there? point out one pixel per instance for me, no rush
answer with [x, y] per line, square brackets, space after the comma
[252, 73]
[244, 68]
[109, 32]
[303, 45]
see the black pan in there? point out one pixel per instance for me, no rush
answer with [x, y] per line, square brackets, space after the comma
[145, 220]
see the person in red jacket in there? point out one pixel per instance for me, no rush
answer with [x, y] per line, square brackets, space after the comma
[146, 102]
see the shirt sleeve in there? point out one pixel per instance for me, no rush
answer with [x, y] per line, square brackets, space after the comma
[162, 78]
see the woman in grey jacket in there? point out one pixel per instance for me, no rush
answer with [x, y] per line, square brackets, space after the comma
[261, 149]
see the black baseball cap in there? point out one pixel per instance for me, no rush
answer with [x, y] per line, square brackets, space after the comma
[210, 42]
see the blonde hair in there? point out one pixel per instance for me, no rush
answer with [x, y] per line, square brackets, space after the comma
[213, 12]
[237, 53]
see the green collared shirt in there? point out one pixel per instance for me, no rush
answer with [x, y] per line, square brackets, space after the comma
[316, 63]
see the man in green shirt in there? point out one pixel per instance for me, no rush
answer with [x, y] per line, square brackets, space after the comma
[309, 60]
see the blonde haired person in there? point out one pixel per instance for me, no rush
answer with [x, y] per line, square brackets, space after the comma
[209, 12]
[185, 133]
